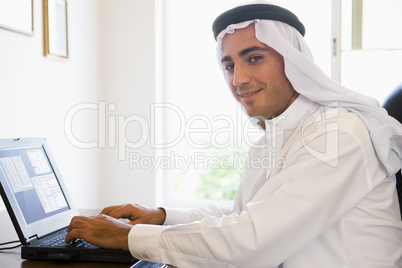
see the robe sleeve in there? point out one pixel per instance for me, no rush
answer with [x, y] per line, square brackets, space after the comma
[181, 216]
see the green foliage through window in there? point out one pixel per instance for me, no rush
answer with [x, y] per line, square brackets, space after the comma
[220, 182]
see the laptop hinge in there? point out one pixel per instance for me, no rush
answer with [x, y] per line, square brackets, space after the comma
[31, 238]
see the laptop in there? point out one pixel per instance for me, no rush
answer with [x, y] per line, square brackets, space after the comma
[40, 206]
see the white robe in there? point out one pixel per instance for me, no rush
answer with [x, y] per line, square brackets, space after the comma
[326, 202]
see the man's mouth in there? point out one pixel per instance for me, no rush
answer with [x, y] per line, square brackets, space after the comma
[249, 94]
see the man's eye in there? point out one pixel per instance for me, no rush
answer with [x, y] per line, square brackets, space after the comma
[228, 67]
[255, 59]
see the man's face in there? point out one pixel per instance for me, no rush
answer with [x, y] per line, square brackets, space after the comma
[255, 74]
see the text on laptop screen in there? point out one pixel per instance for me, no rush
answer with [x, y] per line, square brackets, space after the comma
[33, 183]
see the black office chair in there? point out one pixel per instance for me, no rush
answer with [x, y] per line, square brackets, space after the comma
[394, 107]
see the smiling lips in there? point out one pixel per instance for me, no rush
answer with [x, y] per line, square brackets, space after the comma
[246, 96]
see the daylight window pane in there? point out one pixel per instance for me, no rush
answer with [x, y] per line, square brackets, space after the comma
[382, 23]
[202, 121]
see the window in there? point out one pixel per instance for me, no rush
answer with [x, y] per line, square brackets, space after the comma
[205, 132]
[203, 124]
[370, 50]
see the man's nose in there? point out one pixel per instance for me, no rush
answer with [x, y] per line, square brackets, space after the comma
[241, 75]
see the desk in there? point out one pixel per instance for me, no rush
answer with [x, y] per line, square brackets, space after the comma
[11, 258]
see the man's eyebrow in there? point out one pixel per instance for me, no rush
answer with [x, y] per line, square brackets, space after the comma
[245, 52]
[251, 49]
[226, 58]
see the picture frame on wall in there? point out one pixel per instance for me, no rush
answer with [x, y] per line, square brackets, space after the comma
[55, 29]
[17, 16]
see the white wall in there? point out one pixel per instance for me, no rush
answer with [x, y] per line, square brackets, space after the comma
[129, 81]
[112, 61]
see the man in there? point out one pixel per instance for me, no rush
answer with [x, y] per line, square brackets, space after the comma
[333, 202]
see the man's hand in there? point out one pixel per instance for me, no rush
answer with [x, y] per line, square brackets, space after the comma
[136, 214]
[102, 231]
[106, 231]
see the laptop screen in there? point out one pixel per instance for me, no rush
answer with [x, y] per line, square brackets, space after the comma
[33, 183]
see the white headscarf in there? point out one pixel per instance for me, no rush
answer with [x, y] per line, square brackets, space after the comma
[311, 82]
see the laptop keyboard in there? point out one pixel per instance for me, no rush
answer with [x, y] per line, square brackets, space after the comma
[58, 241]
